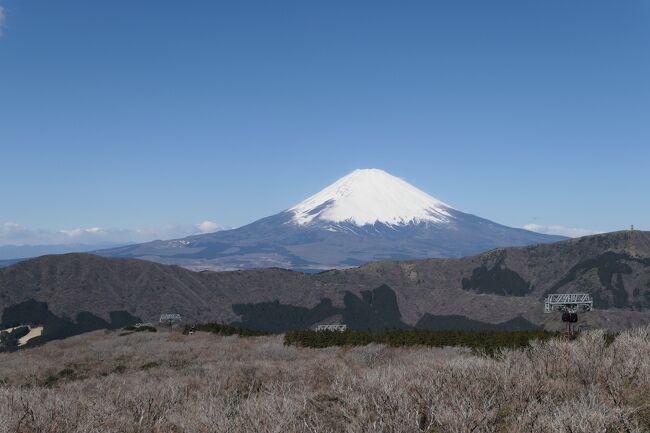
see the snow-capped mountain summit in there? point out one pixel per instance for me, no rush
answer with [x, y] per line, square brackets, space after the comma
[371, 196]
[365, 216]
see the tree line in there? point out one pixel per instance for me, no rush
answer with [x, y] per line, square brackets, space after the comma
[484, 341]
[220, 329]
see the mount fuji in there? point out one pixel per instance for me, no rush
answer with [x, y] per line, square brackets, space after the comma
[368, 215]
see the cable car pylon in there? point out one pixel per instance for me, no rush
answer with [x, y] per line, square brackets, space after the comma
[569, 304]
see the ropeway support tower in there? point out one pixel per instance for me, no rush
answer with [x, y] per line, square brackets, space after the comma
[569, 304]
[170, 319]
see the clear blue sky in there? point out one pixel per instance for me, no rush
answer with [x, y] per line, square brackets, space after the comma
[138, 114]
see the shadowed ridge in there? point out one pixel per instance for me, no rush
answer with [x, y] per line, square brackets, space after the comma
[492, 287]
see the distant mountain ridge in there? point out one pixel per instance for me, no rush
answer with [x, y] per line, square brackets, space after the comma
[365, 216]
[503, 287]
[20, 252]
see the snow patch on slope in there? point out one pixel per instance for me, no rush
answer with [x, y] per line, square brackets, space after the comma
[371, 196]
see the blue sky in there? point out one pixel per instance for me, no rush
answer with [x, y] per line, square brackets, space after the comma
[158, 115]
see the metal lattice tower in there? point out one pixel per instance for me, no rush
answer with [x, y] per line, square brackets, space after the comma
[569, 304]
[170, 319]
[340, 328]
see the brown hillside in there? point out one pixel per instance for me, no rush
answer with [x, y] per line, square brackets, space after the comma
[492, 287]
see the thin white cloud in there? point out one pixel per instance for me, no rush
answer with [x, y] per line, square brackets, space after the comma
[3, 17]
[17, 234]
[572, 232]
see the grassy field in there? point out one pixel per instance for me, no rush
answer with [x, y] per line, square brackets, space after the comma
[169, 382]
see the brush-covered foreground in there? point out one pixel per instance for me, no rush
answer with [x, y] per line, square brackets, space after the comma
[169, 382]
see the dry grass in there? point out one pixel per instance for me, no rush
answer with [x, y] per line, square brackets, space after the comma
[160, 382]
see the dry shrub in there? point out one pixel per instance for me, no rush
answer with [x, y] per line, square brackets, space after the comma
[319, 377]
[372, 355]
[273, 351]
[205, 383]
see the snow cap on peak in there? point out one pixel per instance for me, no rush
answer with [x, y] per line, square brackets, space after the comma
[369, 196]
